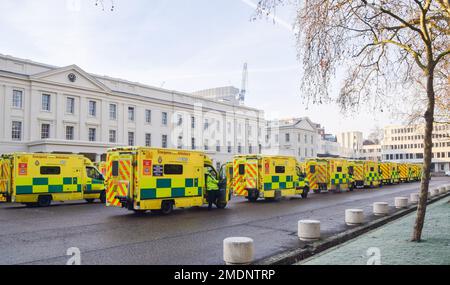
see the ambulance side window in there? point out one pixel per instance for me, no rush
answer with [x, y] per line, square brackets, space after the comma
[50, 170]
[173, 169]
[115, 168]
[93, 173]
[241, 169]
[210, 169]
[312, 169]
[280, 169]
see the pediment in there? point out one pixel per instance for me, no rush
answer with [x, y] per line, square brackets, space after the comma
[72, 76]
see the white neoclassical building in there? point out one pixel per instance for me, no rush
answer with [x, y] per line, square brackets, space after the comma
[45, 108]
[295, 137]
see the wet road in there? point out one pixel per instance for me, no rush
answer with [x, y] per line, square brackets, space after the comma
[188, 236]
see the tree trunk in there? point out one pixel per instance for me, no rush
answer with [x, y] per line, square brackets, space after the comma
[428, 143]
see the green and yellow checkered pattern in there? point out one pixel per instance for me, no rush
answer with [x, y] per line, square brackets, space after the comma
[339, 178]
[277, 182]
[395, 174]
[159, 188]
[372, 176]
[36, 185]
[301, 183]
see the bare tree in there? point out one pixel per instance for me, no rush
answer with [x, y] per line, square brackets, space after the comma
[376, 135]
[383, 44]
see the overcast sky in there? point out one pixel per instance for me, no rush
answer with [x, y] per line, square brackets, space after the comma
[185, 45]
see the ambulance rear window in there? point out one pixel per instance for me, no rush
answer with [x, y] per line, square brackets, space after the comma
[115, 168]
[50, 170]
[371, 169]
[350, 170]
[173, 169]
[241, 169]
[339, 169]
[280, 169]
[312, 169]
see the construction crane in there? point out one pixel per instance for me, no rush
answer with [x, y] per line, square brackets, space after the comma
[241, 96]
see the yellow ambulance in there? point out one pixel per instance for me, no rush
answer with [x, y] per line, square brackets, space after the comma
[143, 178]
[328, 174]
[261, 176]
[416, 171]
[405, 172]
[356, 174]
[371, 174]
[37, 179]
[389, 172]
[337, 175]
[316, 173]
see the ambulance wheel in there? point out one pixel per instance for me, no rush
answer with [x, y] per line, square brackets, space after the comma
[316, 191]
[221, 205]
[252, 199]
[166, 207]
[44, 201]
[90, 200]
[103, 197]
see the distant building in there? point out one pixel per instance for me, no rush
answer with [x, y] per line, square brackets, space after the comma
[371, 151]
[352, 141]
[406, 144]
[296, 137]
[227, 94]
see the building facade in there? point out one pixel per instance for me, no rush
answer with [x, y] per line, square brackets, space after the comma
[352, 141]
[46, 108]
[295, 137]
[406, 144]
[371, 152]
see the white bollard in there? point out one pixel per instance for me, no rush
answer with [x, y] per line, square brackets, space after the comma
[442, 190]
[434, 192]
[430, 195]
[414, 198]
[401, 202]
[448, 188]
[380, 208]
[238, 250]
[308, 230]
[354, 217]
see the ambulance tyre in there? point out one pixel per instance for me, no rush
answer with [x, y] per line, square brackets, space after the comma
[221, 205]
[44, 201]
[90, 200]
[252, 198]
[103, 197]
[166, 207]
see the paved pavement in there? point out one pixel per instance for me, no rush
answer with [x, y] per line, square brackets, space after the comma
[188, 236]
[390, 244]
